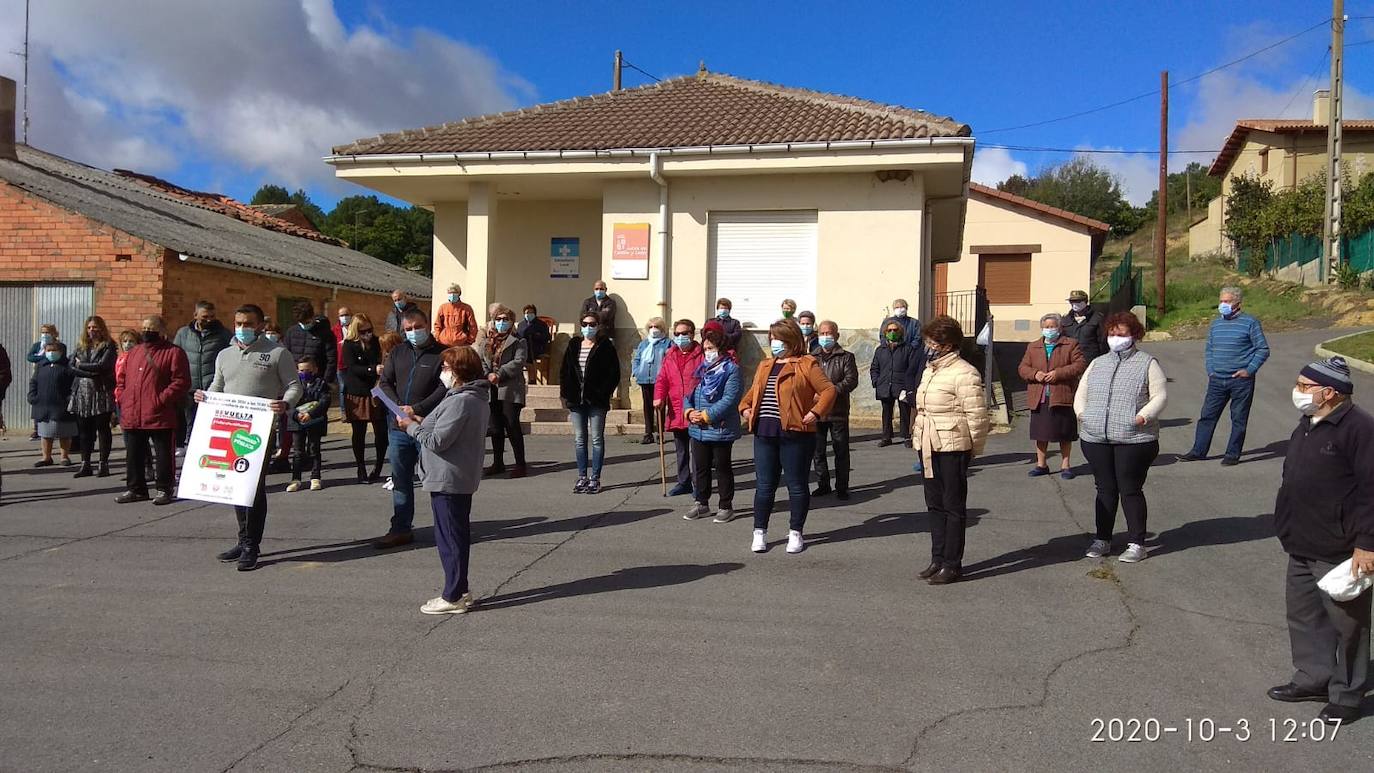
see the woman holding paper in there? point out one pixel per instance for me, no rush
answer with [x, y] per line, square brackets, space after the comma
[451, 449]
[360, 366]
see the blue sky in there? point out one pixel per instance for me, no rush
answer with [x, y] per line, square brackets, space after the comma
[226, 100]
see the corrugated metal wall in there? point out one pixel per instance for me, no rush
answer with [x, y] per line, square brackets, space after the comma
[23, 307]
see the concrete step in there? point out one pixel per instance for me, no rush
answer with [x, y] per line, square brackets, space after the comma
[550, 415]
[564, 428]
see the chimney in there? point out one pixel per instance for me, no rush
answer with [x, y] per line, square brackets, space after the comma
[8, 91]
[1321, 107]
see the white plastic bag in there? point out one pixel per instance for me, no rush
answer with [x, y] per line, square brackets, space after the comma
[1339, 585]
[984, 336]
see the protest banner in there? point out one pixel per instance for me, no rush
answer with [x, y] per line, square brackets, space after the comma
[228, 449]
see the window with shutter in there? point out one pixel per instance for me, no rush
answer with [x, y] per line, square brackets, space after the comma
[760, 258]
[1006, 278]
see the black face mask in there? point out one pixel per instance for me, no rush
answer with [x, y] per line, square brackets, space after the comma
[151, 336]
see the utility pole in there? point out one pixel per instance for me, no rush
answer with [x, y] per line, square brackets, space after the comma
[1331, 222]
[615, 77]
[1162, 216]
[1188, 182]
[25, 123]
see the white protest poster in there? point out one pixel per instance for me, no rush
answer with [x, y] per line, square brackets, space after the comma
[228, 449]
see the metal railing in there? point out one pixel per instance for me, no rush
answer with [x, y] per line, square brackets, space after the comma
[970, 308]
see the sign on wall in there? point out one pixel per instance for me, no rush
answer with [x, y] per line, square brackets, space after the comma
[630, 251]
[227, 450]
[563, 257]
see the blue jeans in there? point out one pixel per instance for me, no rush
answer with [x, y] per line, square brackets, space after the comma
[403, 454]
[1239, 392]
[790, 456]
[589, 424]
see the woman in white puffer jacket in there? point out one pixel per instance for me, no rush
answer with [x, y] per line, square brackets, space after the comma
[951, 427]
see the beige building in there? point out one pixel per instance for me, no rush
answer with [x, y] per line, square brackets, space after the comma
[682, 192]
[1284, 152]
[1028, 256]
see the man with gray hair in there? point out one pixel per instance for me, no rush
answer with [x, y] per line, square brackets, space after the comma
[1235, 351]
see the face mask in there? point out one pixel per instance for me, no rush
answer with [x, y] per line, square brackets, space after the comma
[343, 321]
[502, 325]
[1226, 309]
[787, 314]
[723, 313]
[777, 347]
[806, 329]
[447, 378]
[1078, 306]
[1049, 333]
[45, 338]
[530, 317]
[1305, 402]
[899, 312]
[588, 332]
[304, 326]
[127, 345]
[453, 297]
[53, 356]
[400, 305]
[712, 356]
[151, 336]
[417, 337]
[893, 336]
[655, 334]
[682, 341]
[599, 294]
[273, 337]
[1119, 343]
[826, 341]
[934, 353]
[245, 335]
[306, 377]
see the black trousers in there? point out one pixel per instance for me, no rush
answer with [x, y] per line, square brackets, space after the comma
[947, 500]
[838, 433]
[1330, 638]
[505, 420]
[646, 392]
[1119, 470]
[706, 456]
[253, 519]
[305, 451]
[682, 446]
[379, 438]
[139, 442]
[903, 411]
[89, 428]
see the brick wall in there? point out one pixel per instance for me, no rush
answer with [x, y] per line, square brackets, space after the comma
[40, 242]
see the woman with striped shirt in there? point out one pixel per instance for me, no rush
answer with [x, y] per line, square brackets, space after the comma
[590, 375]
[790, 393]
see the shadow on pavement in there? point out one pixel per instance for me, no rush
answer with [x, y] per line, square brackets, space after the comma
[632, 578]
[1175, 422]
[886, 525]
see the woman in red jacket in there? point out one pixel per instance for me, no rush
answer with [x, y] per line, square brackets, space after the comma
[677, 378]
[155, 378]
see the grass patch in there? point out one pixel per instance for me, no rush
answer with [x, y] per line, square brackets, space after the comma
[1193, 301]
[1361, 347]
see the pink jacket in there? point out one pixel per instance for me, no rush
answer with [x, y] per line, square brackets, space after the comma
[676, 379]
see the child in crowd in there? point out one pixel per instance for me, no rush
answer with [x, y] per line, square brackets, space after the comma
[308, 424]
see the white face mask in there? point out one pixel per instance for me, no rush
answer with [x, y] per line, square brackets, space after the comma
[711, 356]
[1305, 402]
[1119, 343]
[1078, 306]
[899, 312]
[446, 377]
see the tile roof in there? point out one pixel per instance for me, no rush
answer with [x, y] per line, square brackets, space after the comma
[692, 111]
[207, 229]
[1236, 141]
[1044, 209]
[256, 215]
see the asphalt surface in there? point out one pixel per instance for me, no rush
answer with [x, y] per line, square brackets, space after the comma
[615, 636]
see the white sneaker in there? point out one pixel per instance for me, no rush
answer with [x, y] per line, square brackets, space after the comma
[1134, 553]
[316, 484]
[1099, 548]
[795, 543]
[760, 541]
[294, 485]
[438, 606]
[724, 515]
[388, 485]
[698, 510]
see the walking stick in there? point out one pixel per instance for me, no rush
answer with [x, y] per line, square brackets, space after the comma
[662, 463]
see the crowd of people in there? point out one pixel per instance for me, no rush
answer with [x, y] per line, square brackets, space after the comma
[458, 381]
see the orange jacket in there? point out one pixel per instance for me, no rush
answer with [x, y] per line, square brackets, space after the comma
[802, 387]
[455, 325]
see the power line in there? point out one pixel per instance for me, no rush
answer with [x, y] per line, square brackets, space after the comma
[1154, 92]
[1302, 85]
[628, 64]
[1108, 151]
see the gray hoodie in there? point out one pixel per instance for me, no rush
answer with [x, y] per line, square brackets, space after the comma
[452, 440]
[263, 369]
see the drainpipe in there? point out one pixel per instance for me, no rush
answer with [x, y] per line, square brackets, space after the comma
[656, 174]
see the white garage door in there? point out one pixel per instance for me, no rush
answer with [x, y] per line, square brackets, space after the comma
[760, 258]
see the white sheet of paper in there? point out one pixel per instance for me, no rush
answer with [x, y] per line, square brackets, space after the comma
[389, 403]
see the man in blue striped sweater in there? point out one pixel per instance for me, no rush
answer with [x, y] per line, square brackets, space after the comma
[1235, 351]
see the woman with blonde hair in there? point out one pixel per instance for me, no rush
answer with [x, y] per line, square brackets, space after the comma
[360, 363]
[789, 395]
[92, 401]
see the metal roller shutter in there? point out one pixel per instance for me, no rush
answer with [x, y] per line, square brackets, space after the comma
[760, 258]
[1007, 278]
[22, 309]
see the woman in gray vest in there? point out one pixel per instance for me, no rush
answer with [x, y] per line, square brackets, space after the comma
[1118, 404]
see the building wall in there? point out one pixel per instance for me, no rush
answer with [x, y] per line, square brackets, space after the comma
[519, 270]
[1204, 236]
[40, 242]
[1062, 265]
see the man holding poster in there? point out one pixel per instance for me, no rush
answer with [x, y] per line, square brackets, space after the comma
[252, 368]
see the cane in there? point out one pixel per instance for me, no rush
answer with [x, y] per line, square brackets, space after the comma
[662, 463]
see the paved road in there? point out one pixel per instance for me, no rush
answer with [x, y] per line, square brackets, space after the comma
[616, 636]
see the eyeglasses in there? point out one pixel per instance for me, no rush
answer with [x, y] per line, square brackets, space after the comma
[1303, 387]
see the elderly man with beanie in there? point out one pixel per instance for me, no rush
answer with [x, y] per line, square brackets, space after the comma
[1324, 515]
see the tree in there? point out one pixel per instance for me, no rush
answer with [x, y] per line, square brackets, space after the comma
[312, 211]
[1194, 177]
[400, 235]
[1083, 187]
[271, 194]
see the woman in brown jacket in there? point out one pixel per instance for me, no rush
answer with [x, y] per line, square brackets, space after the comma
[1051, 368]
[790, 393]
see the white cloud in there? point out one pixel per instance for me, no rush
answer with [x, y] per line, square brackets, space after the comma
[993, 165]
[1137, 172]
[261, 86]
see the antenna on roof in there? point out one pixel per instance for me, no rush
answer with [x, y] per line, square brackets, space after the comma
[701, 67]
[615, 77]
[24, 123]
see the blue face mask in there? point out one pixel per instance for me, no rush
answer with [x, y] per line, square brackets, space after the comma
[453, 297]
[400, 305]
[53, 356]
[826, 341]
[417, 337]
[1049, 333]
[530, 317]
[245, 335]
[806, 329]
[934, 354]
[305, 377]
[655, 334]
[1226, 309]
[599, 294]
[588, 332]
[682, 341]
[502, 326]
[723, 313]
[45, 339]
[777, 347]
[273, 337]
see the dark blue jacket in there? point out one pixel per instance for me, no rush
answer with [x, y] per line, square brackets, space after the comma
[897, 369]
[50, 390]
[536, 335]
